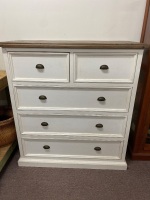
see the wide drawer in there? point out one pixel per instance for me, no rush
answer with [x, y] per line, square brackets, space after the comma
[73, 125]
[104, 67]
[56, 148]
[109, 99]
[34, 66]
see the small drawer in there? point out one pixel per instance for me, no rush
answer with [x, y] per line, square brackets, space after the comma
[73, 125]
[34, 66]
[108, 99]
[104, 67]
[72, 148]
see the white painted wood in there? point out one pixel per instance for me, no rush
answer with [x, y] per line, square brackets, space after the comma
[72, 85]
[65, 136]
[73, 51]
[74, 102]
[139, 61]
[80, 99]
[13, 103]
[56, 66]
[72, 20]
[72, 149]
[73, 125]
[68, 163]
[71, 113]
[121, 67]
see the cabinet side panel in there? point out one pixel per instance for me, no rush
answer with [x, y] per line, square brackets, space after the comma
[138, 67]
[12, 97]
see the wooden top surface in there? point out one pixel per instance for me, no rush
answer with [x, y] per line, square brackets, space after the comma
[73, 44]
[3, 80]
[2, 74]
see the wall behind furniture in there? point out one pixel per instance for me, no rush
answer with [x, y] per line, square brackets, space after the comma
[71, 19]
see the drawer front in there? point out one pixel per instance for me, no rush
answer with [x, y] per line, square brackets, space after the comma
[71, 98]
[104, 67]
[48, 148]
[52, 67]
[84, 125]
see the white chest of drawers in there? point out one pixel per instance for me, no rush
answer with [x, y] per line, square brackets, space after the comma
[73, 101]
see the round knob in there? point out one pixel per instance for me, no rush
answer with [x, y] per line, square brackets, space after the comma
[99, 125]
[104, 67]
[42, 97]
[97, 148]
[46, 147]
[39, 66]
[44, 124]
[101, 99]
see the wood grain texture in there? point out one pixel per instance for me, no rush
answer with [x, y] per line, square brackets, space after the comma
[73, 44]
[140, 114]
[138, 148]
[146, 21]
[147, 30]
[5, 153]
[3, 80]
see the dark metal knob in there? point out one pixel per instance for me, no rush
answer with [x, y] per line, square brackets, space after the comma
[97, 148]
[104, 67]
[101, 99]
[39, 66]
[42, 97]
[99, 125]
[44, 124]
[46, 147]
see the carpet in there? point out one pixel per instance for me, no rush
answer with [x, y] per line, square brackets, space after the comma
[25, 183]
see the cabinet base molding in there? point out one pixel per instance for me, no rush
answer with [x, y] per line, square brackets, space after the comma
[111, 165]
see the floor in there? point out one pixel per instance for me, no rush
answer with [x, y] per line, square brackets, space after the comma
[21, 183]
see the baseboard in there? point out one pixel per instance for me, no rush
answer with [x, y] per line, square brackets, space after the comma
[111, 165]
